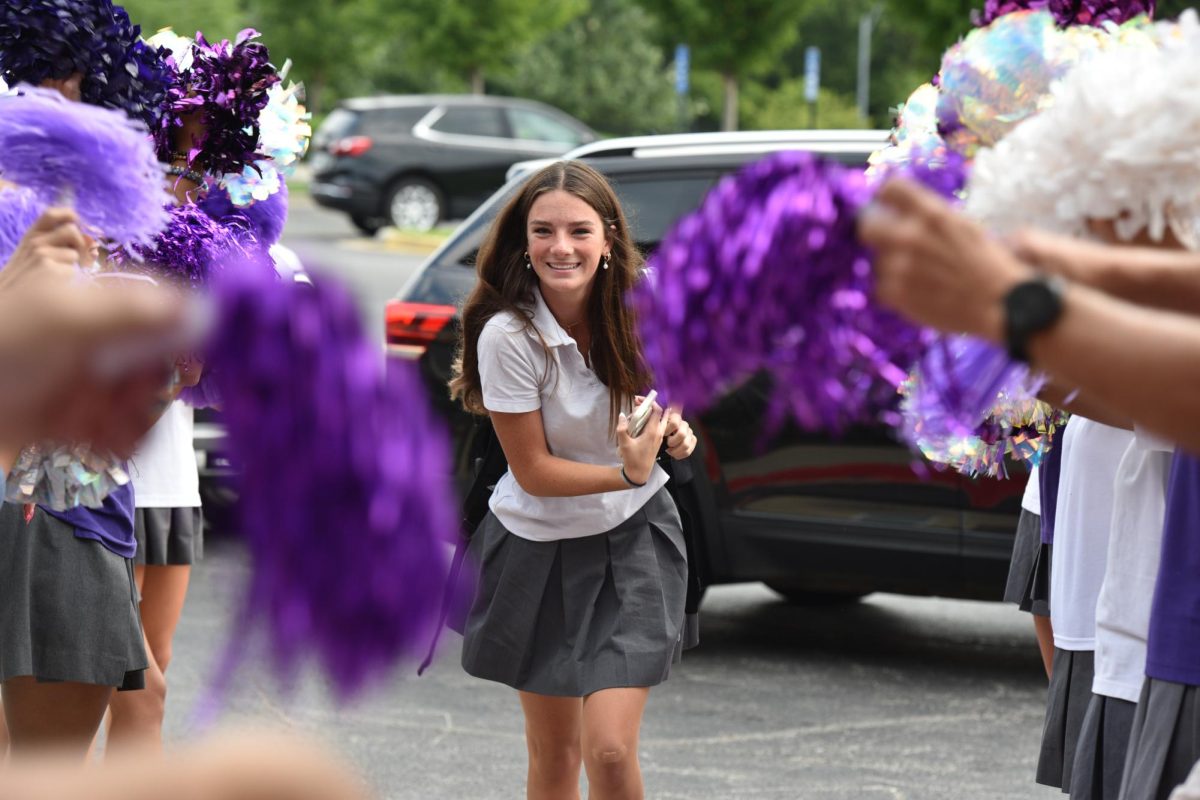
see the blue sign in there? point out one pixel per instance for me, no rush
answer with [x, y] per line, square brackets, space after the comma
[812, 73]
[682, 64]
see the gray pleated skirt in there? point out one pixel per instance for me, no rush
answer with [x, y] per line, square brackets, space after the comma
[1066, 703]
[169, 536]
[572, 617]
[69, 606]
[1164, 743]
[1101, 750]
[1026, 544]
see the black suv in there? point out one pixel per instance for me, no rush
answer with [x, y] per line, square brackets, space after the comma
[815, 518]
[414, 160]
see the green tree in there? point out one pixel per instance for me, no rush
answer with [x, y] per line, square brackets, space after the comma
[331, 44]
[477, 38]
[784, 108]
[218, 19]
[736, 38]
[604, 68]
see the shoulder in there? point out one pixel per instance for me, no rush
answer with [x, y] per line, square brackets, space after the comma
[505, 323]
[507, 337]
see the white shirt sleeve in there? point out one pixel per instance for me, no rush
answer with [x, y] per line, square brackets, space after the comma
[508, 374]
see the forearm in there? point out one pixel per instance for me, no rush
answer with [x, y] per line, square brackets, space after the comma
[1141, 364]
[1082, 403]
[551, 476]
[1162, 279]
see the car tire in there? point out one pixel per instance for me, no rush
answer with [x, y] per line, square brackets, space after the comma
[369, 226]
[797, 596]
[415, 204]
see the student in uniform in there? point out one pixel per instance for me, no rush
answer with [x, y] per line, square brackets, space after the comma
[580, 603]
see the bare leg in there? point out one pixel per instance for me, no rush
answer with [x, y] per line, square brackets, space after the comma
[612, 720]
[163, 593]
[1045, 637]
[137, 717]
[552, 734]
[62, 715]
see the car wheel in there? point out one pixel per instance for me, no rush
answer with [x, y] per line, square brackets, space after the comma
[415, 204]
[368, 225]
[804, 597]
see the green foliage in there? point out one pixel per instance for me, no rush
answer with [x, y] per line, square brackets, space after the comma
[603, 68]
[329, 43]
[477, 37]
[732, 37]
[735, 38]
[784, 108]
[218, 19]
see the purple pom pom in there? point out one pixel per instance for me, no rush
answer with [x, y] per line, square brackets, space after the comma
[343, 477]
[769, 274]
[97, 160]
[19, 209]
[190, 248]
[227, 84]
[265, 218]
[42, 39]
[1069, 12]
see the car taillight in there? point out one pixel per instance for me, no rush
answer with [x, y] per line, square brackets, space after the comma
[411, 327]
[353, 146]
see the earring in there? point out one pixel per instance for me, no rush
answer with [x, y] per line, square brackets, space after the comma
[528, 263]
[606, 262]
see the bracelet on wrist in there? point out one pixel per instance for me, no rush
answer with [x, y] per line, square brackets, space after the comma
[632, 483]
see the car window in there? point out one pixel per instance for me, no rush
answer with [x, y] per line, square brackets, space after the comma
[654, 203]
[539, 127]
[394, 120]
[340, 123]
[472, 122]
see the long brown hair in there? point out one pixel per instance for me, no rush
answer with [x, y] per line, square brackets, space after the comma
[506, 285]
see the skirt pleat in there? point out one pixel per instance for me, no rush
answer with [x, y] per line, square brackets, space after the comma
[572, 617]
[1026, 543]
[69, 606]
[1066, 703]
[1164, 743]
[169, 536]
[1102, 747]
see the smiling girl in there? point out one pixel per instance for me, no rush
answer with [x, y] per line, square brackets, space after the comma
[580, 603]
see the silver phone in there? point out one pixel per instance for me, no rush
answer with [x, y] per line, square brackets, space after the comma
[641, 414]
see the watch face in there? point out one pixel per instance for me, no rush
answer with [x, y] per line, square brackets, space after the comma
[1031, 307]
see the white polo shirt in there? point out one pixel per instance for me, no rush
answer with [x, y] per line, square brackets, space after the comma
[1083, 521]
[164, 468]
[516, 378]
[1123, 608]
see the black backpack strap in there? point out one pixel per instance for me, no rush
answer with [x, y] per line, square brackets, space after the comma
[489, 464]
[460, 555]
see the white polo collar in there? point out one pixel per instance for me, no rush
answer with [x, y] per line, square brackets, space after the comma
[552, 333]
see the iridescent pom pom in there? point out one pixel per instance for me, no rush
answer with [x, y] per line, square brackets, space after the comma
[62, 477]
[284, 134]
[968, 406]
[1000, 75]
[915, 137]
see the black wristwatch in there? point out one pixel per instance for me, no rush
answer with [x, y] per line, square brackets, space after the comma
[1031, 307]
